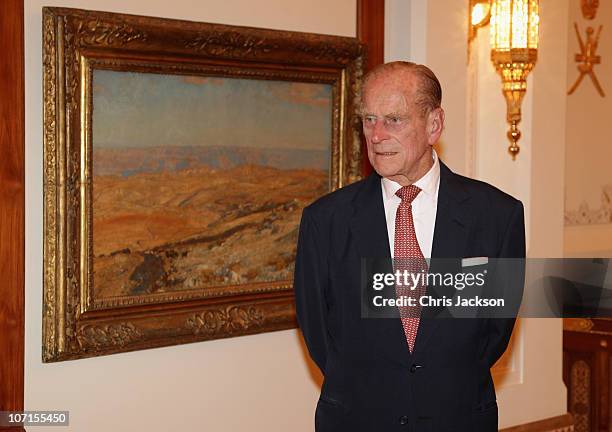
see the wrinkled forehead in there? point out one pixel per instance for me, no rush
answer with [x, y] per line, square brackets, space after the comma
[389, 93]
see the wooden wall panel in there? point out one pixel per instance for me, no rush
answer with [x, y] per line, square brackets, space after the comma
[12, 206]
[371, 32]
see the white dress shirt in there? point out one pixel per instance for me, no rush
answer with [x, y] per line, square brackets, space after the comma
[424, 207]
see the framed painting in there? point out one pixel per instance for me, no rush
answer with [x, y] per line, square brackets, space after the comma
[178, 158]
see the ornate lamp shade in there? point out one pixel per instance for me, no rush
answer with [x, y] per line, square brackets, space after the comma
[514, 51]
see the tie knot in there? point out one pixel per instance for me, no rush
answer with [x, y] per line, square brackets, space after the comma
[408, 193]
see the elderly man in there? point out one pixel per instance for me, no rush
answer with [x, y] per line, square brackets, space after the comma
[410, 373]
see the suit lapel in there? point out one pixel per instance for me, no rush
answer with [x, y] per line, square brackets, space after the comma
[369, 229]
[452, 217]
[449, 241]
[368, 224]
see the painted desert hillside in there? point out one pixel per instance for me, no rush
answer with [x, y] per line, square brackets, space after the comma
[197, 227]
[129, 161]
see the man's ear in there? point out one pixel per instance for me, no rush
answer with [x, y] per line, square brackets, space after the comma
[435, 125]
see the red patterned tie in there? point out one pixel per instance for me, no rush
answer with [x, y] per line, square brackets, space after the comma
[408, 257]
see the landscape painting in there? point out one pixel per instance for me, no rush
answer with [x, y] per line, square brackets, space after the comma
[199, 181]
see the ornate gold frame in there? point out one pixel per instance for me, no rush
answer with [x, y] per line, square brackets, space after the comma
[75, 42]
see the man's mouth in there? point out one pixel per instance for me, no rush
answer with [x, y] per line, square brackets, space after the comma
[386, 153]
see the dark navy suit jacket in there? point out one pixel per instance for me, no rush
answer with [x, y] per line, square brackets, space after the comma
[371, 380]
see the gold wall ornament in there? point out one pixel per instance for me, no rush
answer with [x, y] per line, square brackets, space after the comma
[589, 8]
[514, 52]
[80, 319]
[587, 59]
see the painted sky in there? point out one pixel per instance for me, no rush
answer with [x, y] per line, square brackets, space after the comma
[143, 110]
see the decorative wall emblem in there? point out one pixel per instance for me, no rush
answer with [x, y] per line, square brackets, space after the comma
[589, 8]
[587, 59]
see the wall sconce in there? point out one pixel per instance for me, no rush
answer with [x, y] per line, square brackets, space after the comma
[514, 50]
[480, 15]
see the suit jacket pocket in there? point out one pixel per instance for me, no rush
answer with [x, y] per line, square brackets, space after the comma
[330, 415]
[424, 424]
[484, 418]
[331, 401]
[486, 406]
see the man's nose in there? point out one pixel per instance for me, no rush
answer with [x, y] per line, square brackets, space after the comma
[379, 133]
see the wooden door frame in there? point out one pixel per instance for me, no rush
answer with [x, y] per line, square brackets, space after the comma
[12, 207]
[371, 32]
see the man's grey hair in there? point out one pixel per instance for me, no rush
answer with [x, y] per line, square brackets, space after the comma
[428, 93]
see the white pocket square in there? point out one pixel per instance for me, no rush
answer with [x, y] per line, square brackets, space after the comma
[474, 261]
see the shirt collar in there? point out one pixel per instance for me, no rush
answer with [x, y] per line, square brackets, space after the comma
[428, 183]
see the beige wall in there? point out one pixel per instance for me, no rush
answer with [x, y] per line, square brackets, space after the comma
[588, 179]
[529, 378]
[259, 383]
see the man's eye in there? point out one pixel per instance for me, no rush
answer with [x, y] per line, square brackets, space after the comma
[395, 120]
[369, 119]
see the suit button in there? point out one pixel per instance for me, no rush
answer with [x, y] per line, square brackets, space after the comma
[403, 420]
[414, 368]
